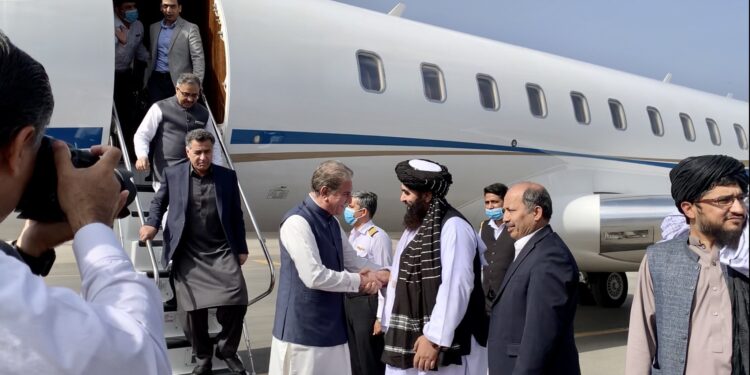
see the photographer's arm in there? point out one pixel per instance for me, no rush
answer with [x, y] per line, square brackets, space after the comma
[117, 324]
[121, 315]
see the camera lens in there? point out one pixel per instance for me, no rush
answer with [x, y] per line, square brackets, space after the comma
[39, 201]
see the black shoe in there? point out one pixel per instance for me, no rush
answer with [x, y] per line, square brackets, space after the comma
[203, 369]
[234, 363]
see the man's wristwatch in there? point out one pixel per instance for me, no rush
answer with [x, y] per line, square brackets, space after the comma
[39, 265]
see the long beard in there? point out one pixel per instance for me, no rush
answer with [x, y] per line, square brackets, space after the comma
[415, 214]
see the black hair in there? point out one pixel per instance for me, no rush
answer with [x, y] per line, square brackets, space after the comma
[497, 189]
[25, 93]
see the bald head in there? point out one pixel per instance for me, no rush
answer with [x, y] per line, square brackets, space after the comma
[528, 207]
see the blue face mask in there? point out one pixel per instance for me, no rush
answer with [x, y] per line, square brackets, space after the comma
[349, 216]
[131, 15]
[494, 213]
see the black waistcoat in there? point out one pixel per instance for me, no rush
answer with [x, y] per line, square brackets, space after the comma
[499, 256]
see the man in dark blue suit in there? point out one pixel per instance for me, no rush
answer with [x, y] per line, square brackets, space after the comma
[205, 240]
[531, 326]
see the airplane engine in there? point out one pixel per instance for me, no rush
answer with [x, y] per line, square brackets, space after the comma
[608, 234]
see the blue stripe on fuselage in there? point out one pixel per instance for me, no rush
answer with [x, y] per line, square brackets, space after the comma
[78, 137]
[261, 137]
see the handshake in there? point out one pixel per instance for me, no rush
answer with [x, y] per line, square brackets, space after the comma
[372, 281]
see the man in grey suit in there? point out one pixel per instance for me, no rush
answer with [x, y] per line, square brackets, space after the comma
[175, 49]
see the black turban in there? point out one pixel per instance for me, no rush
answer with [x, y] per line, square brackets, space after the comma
[694, 176]
[424, 175]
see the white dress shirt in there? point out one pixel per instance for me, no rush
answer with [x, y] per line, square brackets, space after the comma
[522, 242]
[116, 328]
[496, 231]
[375, 248]
[150, 124]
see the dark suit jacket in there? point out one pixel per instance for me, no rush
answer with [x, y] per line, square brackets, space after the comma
[174, 193]
[531, 325]
[185, 51]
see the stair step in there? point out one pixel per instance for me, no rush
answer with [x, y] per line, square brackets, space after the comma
[144, 188]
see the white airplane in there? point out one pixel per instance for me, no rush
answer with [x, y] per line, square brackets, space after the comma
[296, 82]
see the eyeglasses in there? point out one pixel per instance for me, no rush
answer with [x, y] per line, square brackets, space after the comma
[725, 201]
[188, 94]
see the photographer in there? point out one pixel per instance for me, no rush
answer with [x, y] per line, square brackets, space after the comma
[116, 326]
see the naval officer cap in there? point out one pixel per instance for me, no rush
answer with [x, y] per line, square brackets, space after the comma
[424, 175]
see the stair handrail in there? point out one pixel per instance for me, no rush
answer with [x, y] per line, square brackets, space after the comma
[261, 239]
[128, 166]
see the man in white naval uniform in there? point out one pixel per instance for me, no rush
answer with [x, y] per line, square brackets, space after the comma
[363, 311]
[317, 266]
[434, 311]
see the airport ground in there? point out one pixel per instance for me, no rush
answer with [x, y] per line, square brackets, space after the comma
[601, 333]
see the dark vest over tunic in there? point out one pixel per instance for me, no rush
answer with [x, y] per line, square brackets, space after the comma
[168, 145]
[307, 316]
[499, 256]
[674, 272]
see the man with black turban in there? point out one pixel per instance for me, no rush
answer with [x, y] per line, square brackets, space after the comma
[434, 311]
[690, 312]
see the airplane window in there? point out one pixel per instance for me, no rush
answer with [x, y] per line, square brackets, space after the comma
[580, 108]
[371, 75]
[537, 101]
[713, 130]
[741, 136]
[687, 127]
[618, 115]
[657, 127]
[434, 85]
[488, 96]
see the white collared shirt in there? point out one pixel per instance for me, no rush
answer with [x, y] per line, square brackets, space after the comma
[114, 327]
[523, 241]
[497, 231]
[376, 248]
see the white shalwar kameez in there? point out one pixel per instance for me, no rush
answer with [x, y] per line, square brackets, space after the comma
[458, 244]
[290, 358]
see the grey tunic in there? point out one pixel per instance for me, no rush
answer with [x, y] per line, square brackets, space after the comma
[206, 272]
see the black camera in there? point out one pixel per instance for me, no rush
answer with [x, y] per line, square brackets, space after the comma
[39, 201]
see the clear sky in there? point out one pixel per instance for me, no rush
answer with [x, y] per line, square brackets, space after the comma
[703, 43]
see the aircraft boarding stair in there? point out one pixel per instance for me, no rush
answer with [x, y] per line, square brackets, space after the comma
[146, 257]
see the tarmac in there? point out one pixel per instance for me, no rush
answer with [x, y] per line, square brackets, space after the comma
[601, 333]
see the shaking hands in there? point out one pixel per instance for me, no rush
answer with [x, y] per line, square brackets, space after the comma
[372, 281]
